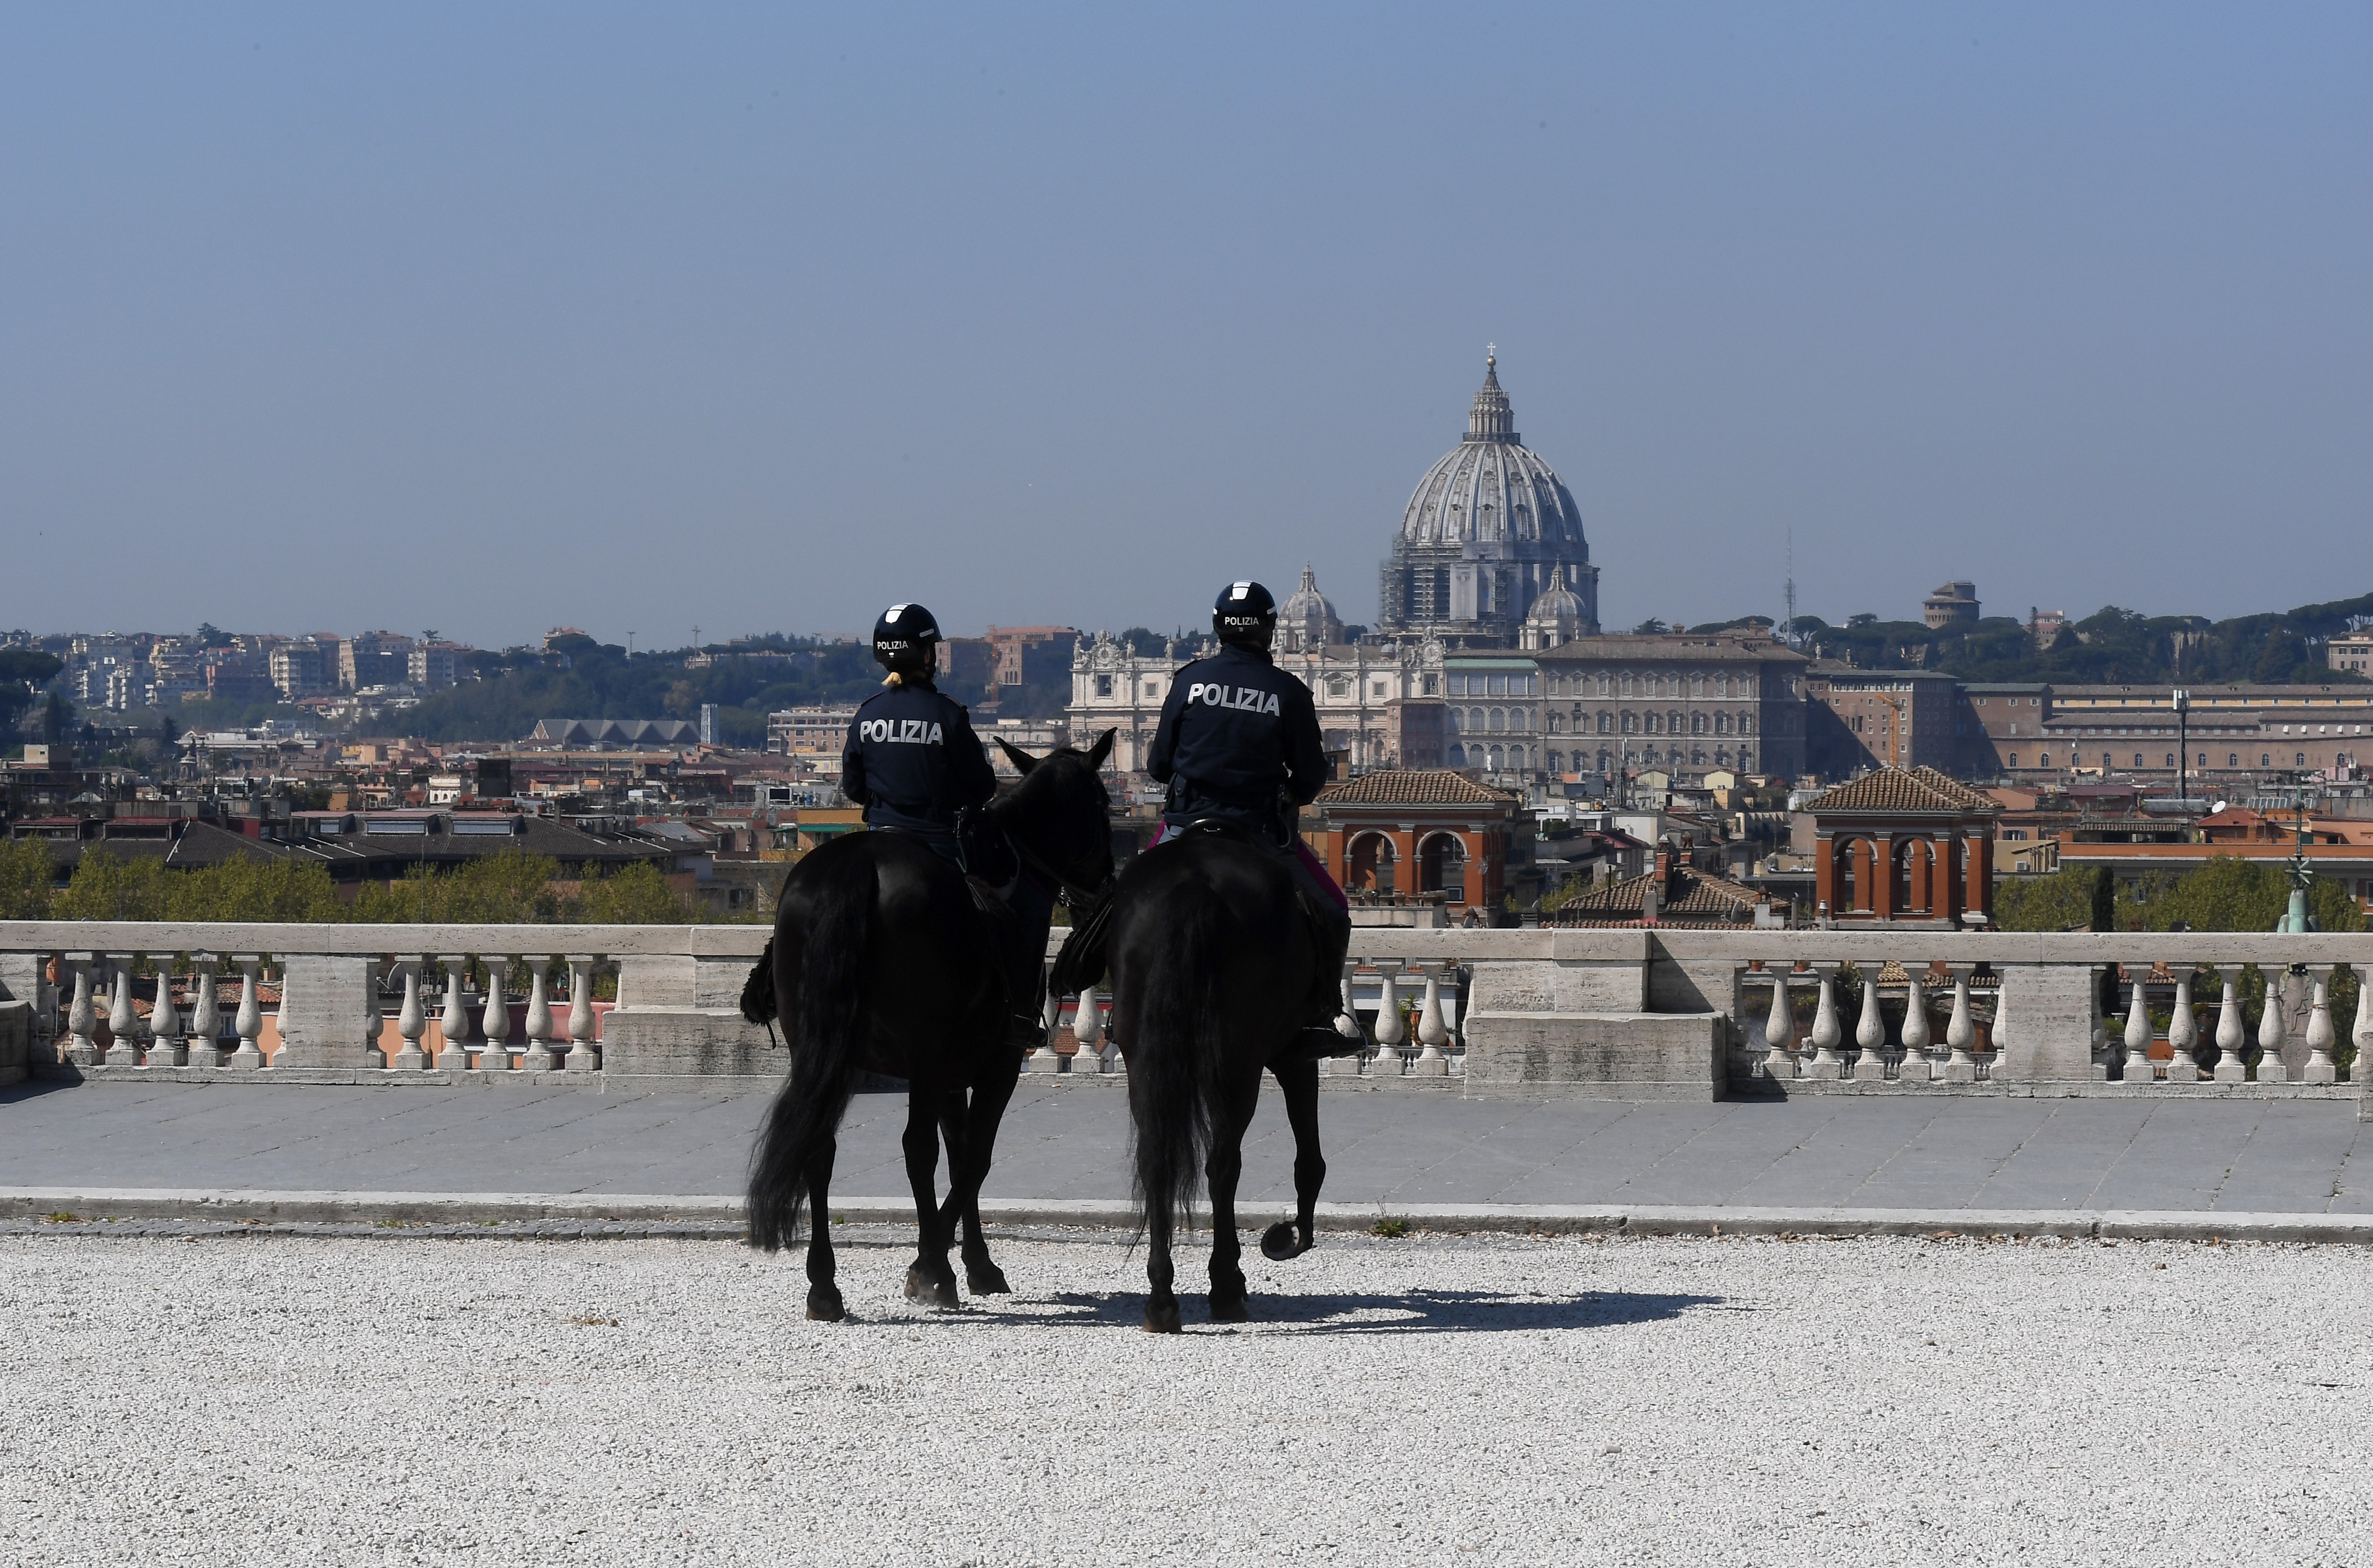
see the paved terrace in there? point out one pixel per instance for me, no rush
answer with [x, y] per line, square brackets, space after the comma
[2241, 1156]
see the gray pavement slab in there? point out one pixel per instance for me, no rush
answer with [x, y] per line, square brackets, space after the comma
[1072, 1144]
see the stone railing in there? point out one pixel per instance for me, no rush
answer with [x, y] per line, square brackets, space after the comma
[1619, 1014]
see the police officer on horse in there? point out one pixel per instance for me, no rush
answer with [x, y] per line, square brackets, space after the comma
[913, 761]
[1240, 751]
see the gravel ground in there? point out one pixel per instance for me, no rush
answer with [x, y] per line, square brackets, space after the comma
[1426, 1399]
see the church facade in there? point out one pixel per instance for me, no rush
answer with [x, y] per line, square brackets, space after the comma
[1487, 531]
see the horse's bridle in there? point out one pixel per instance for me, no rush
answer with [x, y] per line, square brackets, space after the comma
[1071, 894]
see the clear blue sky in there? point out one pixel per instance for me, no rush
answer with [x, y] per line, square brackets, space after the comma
[491, 317]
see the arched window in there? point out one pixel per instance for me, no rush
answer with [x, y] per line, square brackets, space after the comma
[2138, 760]
[1441, 866]
[2106, 764]
[1516, 759]
[1499, 760]
[2265, 759]
[2170, 759]
[1457, 755]
[2043, 760]
[1369, 863]
[1499, 720]
[2014, 759]
[2232, 759]
[2302, 761]
[1849, 863]
[1520, 718]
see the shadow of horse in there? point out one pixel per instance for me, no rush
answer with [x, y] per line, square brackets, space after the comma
[1417, 1312]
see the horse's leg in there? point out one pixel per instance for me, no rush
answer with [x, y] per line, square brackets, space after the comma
[982, 1276]
[1291, 1238]
[1221, 1167]
[823, 1297]
[1161, 1305]
[929, 1280]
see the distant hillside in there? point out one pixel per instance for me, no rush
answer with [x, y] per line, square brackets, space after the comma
[2113, 646]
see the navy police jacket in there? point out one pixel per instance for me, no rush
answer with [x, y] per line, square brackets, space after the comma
[1236, 731]
[912, 760]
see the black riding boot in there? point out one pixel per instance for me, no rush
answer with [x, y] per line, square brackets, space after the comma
[1330, 929]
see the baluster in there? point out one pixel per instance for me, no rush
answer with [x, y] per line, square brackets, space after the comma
[1390, 1030]
[164, 1023]
[1779, 1028]
[123, 1051]
[1961, 1030]
[2270, 1032]
[374, 1020]
[2103, 1051]
[454, 1021]
[2183, 1030]
[280, 1019]
[1045, 1059]
[1431, 1030]
[584, 1056]
[2361, 1036]
[1870, 1029]
[205, 1013]
[411, 1018]
[2138, 1027]
[2320, 1068]
[1918, 1033]
[247, 1021]
[1347, 1021]
[538, 1056]
[1828, 1032]
[1088, 1029]
[82, 1017]
[1998, 1031]
[495, 1018]
[2230, 1034]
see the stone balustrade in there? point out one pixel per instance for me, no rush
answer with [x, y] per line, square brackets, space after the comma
[1616, 1014]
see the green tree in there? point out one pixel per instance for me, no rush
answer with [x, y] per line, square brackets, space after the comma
[638, 895]
[25, 879]
[245, 889]
[2061, 902]
[107, 887]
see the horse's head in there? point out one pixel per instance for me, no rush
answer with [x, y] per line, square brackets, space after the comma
[1060, 812]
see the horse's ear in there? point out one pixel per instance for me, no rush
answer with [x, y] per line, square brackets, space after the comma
[1022, 760]
[1101, 751]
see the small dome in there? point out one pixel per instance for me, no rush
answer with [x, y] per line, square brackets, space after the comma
[1557, 616]
[1306, 620]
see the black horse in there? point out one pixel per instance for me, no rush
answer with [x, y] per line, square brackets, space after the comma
[884, 961]
[1213, 962]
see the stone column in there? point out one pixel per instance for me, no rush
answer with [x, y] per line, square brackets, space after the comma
[584, 1056]
[1779, 1028]
[122, 1023]
[1870, 1028]
[164, 1023]
[538, 1058]
[411, 1018]
[2320, 1067]
[2231, 1036]
[248, 1022]
[1960, 1031]
[2138, 1027]
[454, 1021]
[1390, 1031]
[1882, 891]
[2270, 1032]
[1827, 1066]
[206, 1012]
[82, 1017]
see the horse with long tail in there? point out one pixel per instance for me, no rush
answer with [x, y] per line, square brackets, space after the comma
[1214, 961]
[884, 961]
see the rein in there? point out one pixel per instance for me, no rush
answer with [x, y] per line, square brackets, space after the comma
[1073, 895]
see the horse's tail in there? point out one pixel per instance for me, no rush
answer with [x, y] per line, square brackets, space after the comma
[758, 1002]
[1174, 1058]
[826, 1041]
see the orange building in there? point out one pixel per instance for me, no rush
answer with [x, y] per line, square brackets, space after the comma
[1903, 844]
[1418, 830]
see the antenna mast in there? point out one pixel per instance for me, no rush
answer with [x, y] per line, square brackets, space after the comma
[1788, 594]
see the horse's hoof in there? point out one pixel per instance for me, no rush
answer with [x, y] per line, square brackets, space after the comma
[986, 1280]
[1230, 1308]
[824, 1304]
[1162, 1318]
[1282, 1242]
[938, 1294]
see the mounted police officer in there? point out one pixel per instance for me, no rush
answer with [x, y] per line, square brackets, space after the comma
[912, 760]
[914, 763]
[1239, 745]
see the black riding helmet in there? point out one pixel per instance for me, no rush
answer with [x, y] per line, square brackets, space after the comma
[1244, 616]
[906, 640]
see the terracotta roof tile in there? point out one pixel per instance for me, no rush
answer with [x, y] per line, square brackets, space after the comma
[1703, 897]
[1902, 789]
[1412, 787]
